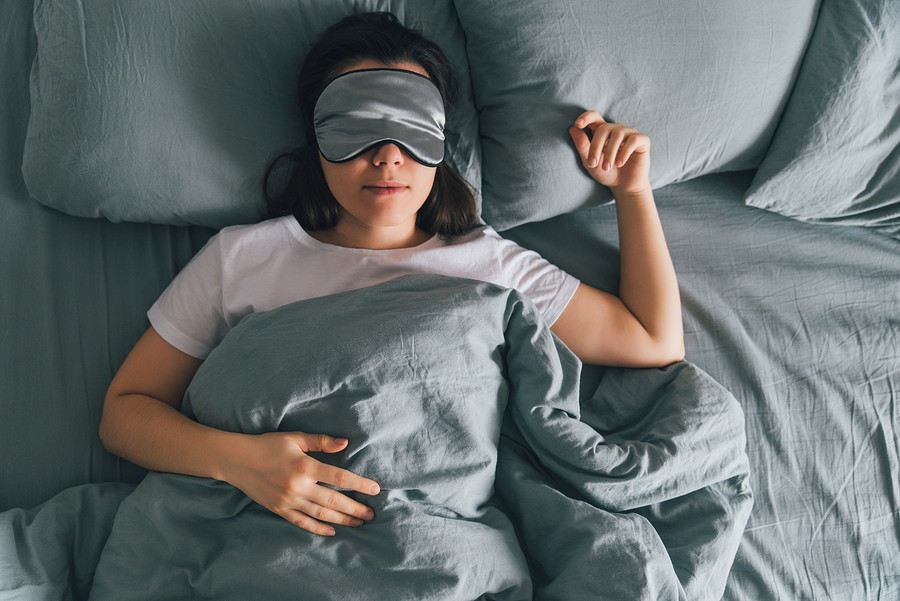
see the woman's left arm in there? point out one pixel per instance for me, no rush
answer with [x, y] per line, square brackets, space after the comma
[642, 326]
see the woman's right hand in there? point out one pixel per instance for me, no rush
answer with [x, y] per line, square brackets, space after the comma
[275, 470]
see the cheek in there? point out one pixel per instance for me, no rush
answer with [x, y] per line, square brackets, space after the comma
[426, 179]
[333, 179]
[338, 176]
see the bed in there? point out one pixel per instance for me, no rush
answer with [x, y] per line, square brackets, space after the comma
[764, 466]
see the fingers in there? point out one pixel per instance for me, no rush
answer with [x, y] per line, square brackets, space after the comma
[586, 144]
[634, 143]
[318, 519]
[582, 142]
[588, 118]
[328, 505]
[314, 507]
[328, 474]
[308, 501]
[304, 521]
[319, 442]
[275, 470]
[342, 479]
[613, 147]
[605, 145]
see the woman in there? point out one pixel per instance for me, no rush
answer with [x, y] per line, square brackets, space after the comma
[360, 208]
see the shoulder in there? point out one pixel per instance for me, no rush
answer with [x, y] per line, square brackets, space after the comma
[263, 238]
[234, 249]
[485, 239]
[483, 235]
[485, 244]
[263, 231]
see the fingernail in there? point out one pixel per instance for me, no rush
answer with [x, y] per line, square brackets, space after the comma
[329, 532]
[593, 162]
[605, 166]
[369, 515]
[356, 523]
[374, 489]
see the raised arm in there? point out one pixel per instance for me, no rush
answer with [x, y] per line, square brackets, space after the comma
[642, 326]
[142, 423]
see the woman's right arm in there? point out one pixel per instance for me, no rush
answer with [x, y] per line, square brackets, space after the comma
[142, 423]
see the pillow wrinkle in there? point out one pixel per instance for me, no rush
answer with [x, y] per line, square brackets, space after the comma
[834, 157]
[704, 85]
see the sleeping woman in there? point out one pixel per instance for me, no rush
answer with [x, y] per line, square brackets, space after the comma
[370, 199]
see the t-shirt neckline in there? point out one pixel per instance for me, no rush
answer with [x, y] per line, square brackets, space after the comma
[305, 238]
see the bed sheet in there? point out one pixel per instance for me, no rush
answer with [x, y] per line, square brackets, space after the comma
[802, 323]
[72, 302]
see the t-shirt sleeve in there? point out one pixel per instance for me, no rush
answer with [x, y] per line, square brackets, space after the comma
[189, 314]
[549, 287]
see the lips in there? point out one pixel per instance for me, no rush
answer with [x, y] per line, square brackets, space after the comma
[386, 188]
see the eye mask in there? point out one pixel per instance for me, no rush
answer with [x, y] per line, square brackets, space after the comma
[363, 109]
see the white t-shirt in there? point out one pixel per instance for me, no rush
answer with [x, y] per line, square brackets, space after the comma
[246, 269]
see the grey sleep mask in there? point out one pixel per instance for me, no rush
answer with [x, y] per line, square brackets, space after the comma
[363, 109]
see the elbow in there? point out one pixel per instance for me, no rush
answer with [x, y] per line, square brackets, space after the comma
[666, 352]
[107, 430]
[676, 354]
[105, 434]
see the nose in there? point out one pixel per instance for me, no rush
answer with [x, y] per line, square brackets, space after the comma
[388, 154]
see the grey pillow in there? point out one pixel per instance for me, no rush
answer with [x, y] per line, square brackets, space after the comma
[705, 80]
[836, 154]
[169, 111]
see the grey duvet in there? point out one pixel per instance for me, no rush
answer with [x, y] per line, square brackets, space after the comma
[497, 482]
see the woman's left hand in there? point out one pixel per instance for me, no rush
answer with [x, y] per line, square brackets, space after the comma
[615, 155]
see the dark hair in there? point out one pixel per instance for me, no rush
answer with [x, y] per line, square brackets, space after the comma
[294, 183]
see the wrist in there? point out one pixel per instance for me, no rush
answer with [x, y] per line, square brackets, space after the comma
[225, 449]
[633, 195]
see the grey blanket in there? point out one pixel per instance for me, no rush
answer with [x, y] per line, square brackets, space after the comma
[496, 482]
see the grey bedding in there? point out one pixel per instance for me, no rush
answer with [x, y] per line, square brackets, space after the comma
[418, 374]
[800, 322]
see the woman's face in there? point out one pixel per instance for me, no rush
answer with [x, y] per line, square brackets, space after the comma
[382, 188]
